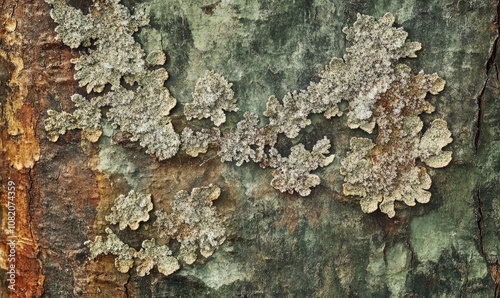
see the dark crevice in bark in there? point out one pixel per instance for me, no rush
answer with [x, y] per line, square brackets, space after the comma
[127, 285]
[479, 221]
[489, 66]
[495, 275]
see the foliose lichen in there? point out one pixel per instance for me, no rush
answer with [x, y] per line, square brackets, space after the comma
[109, 27]
[86, 117]
[125, 254]
[140, 105]
[380, 91]
[293, 172]
[153, 255]
[126, 257]
[130, 210]
[193, 222]
[212, 96]
[386, 172]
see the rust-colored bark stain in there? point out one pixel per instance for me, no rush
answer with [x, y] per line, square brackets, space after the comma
[495, 275]
[56, 193]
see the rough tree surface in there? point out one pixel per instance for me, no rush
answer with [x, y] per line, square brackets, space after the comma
[275, 244]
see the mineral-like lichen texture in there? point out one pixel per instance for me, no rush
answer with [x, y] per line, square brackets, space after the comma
[113, 245]
[386, 172]
[130, 210]
[193, 222]
[138, 102]
[212, 96]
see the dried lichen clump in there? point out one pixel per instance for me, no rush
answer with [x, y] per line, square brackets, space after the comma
[385, 172]
[125, 256]
[193, 222]
[140, 105]
[151, 255]
[86, 117]
[130, 210]
[293, 172]
[113, 245]
[212, 96]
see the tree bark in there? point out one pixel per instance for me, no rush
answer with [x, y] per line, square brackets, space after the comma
[277, 244]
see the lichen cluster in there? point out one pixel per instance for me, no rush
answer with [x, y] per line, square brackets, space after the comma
[192, 221]
[380, 91]
[130, 210]
[212, 96]
[386, 171]
[139, 105]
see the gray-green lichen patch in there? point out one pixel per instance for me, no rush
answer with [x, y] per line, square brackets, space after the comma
[113, 245]
[293, 172]
[212, 96]
[130, 210]
[386, 172]
[375, 47]
[380, 92]
[139, 105]
[86, 117]
[108, 27]
[144, 113]
[193, 222]
[125, 256]
[151, 255]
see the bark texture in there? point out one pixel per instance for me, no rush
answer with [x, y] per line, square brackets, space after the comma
[278, 245]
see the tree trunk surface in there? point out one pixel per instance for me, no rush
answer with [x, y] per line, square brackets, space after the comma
[277, 244]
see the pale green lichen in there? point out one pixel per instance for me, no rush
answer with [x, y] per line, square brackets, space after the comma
[193, 222]
[114, 55]
[130, 210]
[212, 96]
[386, 172]
[153, 255]
[293, 172]
[86, 117]
[125, 255]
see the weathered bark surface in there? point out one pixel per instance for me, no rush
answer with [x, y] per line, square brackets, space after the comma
[278, 245]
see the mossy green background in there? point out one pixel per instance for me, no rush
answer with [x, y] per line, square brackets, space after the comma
[282, 245]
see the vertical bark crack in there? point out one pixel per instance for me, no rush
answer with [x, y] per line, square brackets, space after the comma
[479, 221]
[489, 66]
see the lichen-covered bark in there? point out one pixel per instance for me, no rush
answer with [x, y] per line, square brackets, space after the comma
[277, 245]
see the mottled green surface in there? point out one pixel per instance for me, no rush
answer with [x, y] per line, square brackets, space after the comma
[323, 245]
